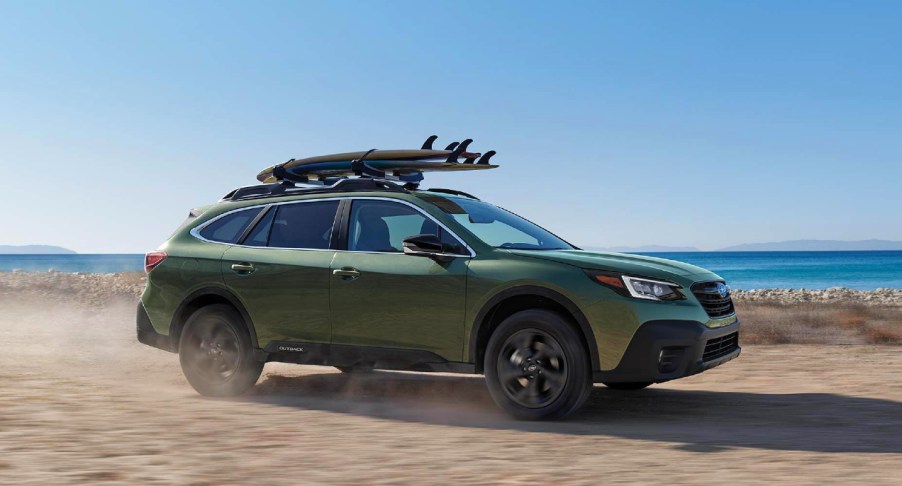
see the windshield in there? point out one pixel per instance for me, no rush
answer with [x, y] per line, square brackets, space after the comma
[499, 227]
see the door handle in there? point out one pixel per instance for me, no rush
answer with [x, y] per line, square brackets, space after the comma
[346, 273]
[243, 268]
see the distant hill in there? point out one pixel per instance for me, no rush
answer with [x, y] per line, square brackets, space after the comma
[645, 249]
[820, 245]
[33, 250]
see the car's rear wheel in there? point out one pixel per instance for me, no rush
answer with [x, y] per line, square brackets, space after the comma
[536, 366]
[632, 385]
[216, 354]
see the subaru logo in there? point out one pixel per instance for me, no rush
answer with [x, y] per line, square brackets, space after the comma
[723, 290]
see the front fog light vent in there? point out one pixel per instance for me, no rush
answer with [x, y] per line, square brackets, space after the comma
[669, 359]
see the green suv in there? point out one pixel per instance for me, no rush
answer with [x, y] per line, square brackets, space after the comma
[367, 274]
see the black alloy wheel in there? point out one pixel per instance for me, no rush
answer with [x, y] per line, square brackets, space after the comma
[537, 366]
[532, 368]
[216, 354]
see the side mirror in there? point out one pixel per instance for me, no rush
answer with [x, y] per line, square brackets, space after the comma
[423, 245]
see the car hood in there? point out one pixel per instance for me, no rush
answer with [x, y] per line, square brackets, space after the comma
[638, 265]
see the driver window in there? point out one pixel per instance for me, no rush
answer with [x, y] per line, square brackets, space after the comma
[382, 226]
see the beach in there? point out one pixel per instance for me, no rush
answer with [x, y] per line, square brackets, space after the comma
[82, 402]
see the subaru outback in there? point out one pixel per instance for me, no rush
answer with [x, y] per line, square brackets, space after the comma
[367, 274]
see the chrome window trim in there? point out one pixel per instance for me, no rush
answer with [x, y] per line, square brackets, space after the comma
[195, 232]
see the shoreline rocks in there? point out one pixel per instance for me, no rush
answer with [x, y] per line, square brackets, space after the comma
[92, 289]
[882, 296]
[98, 288]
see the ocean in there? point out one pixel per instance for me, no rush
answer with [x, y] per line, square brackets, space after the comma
[862, 270]
[87, 263]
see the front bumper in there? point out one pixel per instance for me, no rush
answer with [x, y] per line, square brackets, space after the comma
[666, 350]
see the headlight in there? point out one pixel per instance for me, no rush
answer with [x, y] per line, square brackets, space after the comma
[641, 288]
[638, 287]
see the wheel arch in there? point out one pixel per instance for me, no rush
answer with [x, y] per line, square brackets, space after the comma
[204, 297]
[509, 301]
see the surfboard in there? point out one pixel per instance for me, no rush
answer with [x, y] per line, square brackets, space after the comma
[391, 162]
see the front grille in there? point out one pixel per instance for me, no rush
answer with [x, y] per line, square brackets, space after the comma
[720, 347]
[714, 304]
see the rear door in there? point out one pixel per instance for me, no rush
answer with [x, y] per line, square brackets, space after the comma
[280, 271]
[382, 297]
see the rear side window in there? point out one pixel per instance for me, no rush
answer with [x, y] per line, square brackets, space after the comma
[300, 225]
[228, 228]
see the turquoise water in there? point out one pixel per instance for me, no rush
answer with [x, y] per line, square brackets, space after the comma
[864, 270]
[104, 263]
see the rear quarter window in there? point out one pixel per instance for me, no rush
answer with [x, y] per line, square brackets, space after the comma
[228, 228]
[305, 225]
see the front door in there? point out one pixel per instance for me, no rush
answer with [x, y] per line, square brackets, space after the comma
[280, 271]
[382, 297]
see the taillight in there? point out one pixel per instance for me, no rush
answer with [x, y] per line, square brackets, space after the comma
[152, 259]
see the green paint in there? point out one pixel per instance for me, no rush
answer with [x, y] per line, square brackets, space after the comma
[405, 301]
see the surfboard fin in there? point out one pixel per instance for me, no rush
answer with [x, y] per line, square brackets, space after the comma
[459, 149]
[451, 146]
[484, 160]
[427, 145]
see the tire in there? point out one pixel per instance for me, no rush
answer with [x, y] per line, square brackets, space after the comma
[536, 366]
[632, 385]
[216, 353]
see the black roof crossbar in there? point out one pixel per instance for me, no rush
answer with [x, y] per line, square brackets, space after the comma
[288, 189]
[361, 168]
[281, 174]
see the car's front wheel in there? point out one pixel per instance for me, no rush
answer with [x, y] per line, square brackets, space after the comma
[536, 366]
[216, 354]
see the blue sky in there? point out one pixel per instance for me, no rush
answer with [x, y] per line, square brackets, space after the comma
[676, 123]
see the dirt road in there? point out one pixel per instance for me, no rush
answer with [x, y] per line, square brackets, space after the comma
[82, 402]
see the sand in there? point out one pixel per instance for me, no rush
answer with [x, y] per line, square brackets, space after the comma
[82, 402]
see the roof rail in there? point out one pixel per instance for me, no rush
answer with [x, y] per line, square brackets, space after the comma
[451, 191]
[287, 189]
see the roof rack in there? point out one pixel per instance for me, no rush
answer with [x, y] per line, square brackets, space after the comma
[286, 188]
[361, 173]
